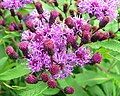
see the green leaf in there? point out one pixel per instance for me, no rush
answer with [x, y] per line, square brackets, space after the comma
[13, 73]
[91, 78]
[51, 91]
[96, 91]
[33, 90]
[112, 45]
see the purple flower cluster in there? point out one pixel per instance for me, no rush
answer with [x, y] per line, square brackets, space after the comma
[99, 8]
[15, 4]
[51, 47]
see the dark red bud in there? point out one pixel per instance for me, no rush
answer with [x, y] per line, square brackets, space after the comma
[11, 52]
[86, 37]
[55, 3]
[2, 22]
[112, 35]
[12, 12]
[65, 8]
[97, 58]
[104, 22]
[53, 15]
[72, 13]
[69, 22]
[19, 15]
[61, 17]
[31, 79]
[52, 83]
[30, 26]
[85, 27]
[39, 8]
[44, 77]
[54, 69]
[69, 90]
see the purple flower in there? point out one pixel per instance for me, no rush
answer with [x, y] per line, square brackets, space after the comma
[15, 4]
[48, 46]
[100, 8]
[83, 56]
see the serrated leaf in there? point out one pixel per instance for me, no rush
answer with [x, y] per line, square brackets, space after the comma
[34, 90]
[96, 91]
[112, 45]
[13, 73]
[91, 78]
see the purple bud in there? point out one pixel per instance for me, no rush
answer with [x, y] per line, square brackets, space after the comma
[69, 90]
[54, 69]
[52, 83]
[65, 8]
[55, 3]
[97, 58]
[12, 12]
[20, 26]
[85, 27]
[23, 45]
[19, 15]
[2, 22]
[61, 17]
[97, 36]
[48, 44]
[112, 35]
[105, 36]
[104, 22]
[53, 15]
[69, 22]
[11, 28]
[72, 13]
[30, 26]
[31, 79]
[11, 52]
[44, 77]
[39, 8]
[86, 37]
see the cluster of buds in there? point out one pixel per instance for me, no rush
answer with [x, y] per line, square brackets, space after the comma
[51, 83]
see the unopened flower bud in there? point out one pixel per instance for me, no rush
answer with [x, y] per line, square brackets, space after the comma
[31, 79]
[86, 37]
[104, 22]
[69, 90]
[19, 15]
[30, 26]
[85, 27]
[23, 45]
[72, 13]
[53, 15]
[105, 36]
[20, 26]
[65, 8]
[12, 12]
[61, 17]
[2, 22]
[11, 28]
[11, 52]
[54, 69]
[55, 3]
[44, 77]
[97, 58]
[52, 83]
[39, 8]
[112, 35]
[69, 22]
[48, 44]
